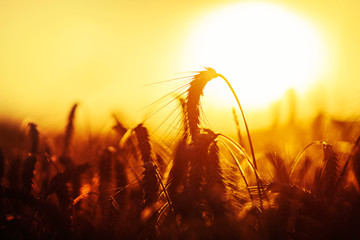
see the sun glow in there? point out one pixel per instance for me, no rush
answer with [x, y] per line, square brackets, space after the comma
[263, 49]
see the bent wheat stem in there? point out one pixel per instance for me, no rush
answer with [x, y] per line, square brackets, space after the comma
[240, 170]
[248, 134]
[296, 161]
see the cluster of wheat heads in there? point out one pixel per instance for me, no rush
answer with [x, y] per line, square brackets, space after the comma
[129, 186]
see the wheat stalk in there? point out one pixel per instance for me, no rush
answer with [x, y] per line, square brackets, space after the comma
[30, 161]
[237, 127]
[150, 181]
[69, 130]
[195, 91]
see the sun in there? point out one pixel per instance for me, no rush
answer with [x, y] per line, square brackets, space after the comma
[263, 49]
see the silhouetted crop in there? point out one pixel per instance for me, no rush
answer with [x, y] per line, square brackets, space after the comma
[206, 186]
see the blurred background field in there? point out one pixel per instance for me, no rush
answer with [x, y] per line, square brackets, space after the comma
[111, 128]
[104, 54]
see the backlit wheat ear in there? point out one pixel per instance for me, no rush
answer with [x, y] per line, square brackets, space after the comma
[151, 183]
[194, 92]
[143, 140]
[30, 161]
[69, 129]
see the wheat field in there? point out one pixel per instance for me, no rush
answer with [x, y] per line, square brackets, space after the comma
[204, 185]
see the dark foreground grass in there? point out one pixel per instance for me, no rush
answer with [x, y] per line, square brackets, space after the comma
[129, 186]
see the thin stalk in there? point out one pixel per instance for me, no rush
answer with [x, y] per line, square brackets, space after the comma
[249, 138]
[343, 171]
[237, 126]
[296, 161]
[168, 199]
[161, 210]
[243, 116]
[240, 170]
[82, 196]
[133, 182]
[242, 150]
[165, 192]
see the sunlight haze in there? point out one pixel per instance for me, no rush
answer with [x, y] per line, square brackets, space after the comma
[104, 55]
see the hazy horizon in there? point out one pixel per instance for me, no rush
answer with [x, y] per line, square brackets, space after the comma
[103, 54]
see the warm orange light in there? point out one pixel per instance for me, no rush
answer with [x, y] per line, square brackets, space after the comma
[263, 49]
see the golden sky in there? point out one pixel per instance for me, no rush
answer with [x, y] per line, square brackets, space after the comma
[103, 53]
